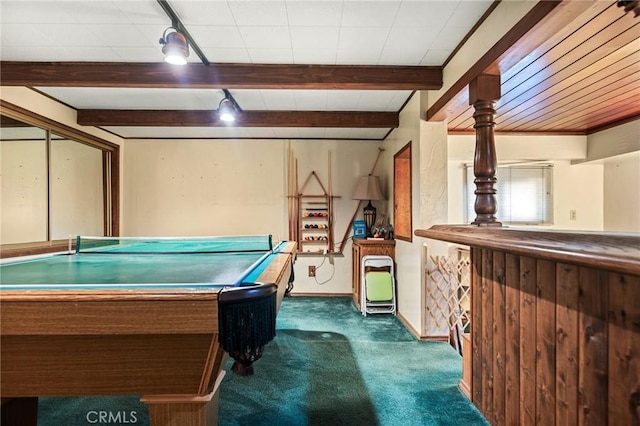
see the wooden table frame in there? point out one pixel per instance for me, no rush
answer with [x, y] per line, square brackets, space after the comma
[160, 344]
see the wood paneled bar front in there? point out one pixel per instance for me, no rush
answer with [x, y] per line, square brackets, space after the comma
[555, 324]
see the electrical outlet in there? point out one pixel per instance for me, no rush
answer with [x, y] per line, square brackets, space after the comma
[572, 215]
[312, 270]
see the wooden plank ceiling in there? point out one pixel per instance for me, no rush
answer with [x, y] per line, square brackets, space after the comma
[577, 71]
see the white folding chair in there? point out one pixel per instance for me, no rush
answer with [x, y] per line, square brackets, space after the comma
[378, 293]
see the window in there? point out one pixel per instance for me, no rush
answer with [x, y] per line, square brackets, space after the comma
[524, 194]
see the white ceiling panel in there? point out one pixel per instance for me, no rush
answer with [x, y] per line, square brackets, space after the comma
[312, 38]
[223, 36]
[358, 56]
[283, 100]
[435, 57]
[334, 32]
[224, 55]
[426, 14]
[314, 56]
[369, 13]
[271, 56]
[35, 12]
[144, 12]
[204, 13]
[311, 100]
[126, 98]
[259, 13]
[95, 12]
[266, 37]
[366, 38]
[314, 13]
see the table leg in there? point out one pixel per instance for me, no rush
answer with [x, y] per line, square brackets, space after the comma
[184, 410]
[19, 412]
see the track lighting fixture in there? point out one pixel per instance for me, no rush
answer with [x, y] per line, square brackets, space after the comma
[174, 46]
[227, 109]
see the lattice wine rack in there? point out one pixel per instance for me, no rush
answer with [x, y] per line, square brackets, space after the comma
[448, 293]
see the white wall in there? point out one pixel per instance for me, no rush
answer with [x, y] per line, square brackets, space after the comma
[618, 149]
[349, 161]
[227, 187]
[579, 188]
[204, 187]
[576, 186]
[618, 140]
[407, 253]
[622, 207]
[429, 205]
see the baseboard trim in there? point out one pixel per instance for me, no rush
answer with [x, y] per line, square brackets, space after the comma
[436, 338]
[320, 294]
[465, 389]
[408, 326]
[419, 336]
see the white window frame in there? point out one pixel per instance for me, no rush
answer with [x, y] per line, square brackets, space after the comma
[524, 194]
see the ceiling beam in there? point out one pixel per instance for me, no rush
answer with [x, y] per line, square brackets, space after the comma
[208, 118]
[218, 76]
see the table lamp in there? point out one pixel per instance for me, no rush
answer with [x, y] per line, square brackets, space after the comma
[368, 188]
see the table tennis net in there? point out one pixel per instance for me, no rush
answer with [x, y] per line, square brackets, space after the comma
[172, 245]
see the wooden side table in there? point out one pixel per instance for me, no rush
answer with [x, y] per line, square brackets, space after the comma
[364, 247]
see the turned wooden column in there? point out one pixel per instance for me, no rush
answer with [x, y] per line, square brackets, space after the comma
[484, 90]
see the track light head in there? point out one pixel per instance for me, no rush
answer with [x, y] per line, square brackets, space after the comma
[227, 110]
[174, 46]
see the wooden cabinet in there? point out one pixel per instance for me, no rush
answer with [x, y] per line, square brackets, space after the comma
[361, 248]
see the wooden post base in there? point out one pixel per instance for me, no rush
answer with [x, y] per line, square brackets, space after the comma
[465, 382]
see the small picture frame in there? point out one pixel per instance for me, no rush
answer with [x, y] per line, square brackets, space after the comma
[359, 229]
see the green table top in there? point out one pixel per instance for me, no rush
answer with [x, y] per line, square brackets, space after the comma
[127, 269]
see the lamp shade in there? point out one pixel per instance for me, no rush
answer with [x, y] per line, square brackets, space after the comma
[368, 188]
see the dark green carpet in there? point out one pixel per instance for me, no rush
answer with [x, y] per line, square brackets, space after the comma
[328, 365]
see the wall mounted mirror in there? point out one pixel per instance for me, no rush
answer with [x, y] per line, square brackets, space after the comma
[24, 191]
[57, 182]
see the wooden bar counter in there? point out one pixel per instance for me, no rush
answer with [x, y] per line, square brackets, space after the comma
[555, 324]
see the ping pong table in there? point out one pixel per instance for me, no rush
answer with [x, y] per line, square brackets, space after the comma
[137, 316]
